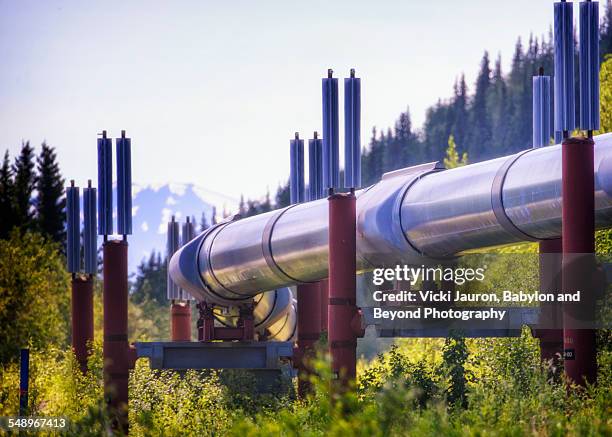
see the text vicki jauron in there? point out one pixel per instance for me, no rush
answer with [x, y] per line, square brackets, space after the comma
[440, 304]
[505, 296]
[460, 313]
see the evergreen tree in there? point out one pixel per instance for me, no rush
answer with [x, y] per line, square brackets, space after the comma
[367, 170]
[213, 218]
[25, 182]
[480, 122]
[499, 105]
[242, 209]
[282, 196]
[150, 284]
[406, 139]
[460, 110]
[50, 202]
[438, 125]
[266, 205]
[605, 44]
[6, 197]
[203, 223]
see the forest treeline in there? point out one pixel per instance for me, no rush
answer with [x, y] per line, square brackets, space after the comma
[32, 193]
[491, 119]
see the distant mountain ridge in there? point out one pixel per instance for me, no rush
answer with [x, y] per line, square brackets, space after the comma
[154, 205]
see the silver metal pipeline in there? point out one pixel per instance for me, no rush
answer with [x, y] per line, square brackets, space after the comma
[411, 215]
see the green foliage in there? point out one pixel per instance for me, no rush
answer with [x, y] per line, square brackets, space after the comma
[605, 77]
[170, 403]
[454, 357]
[515, 402]
[394, 369]
[34, 294]
[452, 156]
[59, 388]
[398, 394]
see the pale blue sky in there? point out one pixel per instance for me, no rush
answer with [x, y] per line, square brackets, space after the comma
[211, 92]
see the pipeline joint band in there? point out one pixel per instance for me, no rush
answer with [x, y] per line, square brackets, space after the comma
[266, 247]
[497, 199]
[115, 375]
[343, 344]
[309, 336]
[415, 175]
[116, 337]
[344, 301]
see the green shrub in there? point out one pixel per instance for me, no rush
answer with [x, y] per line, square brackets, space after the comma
[34, 295]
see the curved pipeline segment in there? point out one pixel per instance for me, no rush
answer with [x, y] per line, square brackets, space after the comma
[409, 216]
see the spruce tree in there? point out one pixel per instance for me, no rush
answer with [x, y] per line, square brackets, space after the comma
[6, 197]
[204, 223]
[50, 202]
[242, 208]
[282, 196]
[480, 123]
[403, 138]
[266, 205]
[25, 182]
[460, 110]
[499, 108]
[213, 218]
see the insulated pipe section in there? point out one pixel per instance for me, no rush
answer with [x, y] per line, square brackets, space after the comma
[453, 211]
[411, 213]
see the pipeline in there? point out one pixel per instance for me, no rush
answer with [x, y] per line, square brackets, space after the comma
[413, 214]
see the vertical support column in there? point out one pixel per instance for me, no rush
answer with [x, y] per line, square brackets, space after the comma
[206, 322]
[309, 331]
[116, 354]
[82, 318]
[180, 315]
[247, 323]
[342, 286]
[551, 340]
[578, 231]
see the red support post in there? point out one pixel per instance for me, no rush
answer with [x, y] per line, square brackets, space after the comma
[117, 355]
[578, 233]
[308, 331]
[82, 318]
[343, 312]
[180, 315]
[551, 340]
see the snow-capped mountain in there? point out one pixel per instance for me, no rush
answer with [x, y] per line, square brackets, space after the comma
[153, 206]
